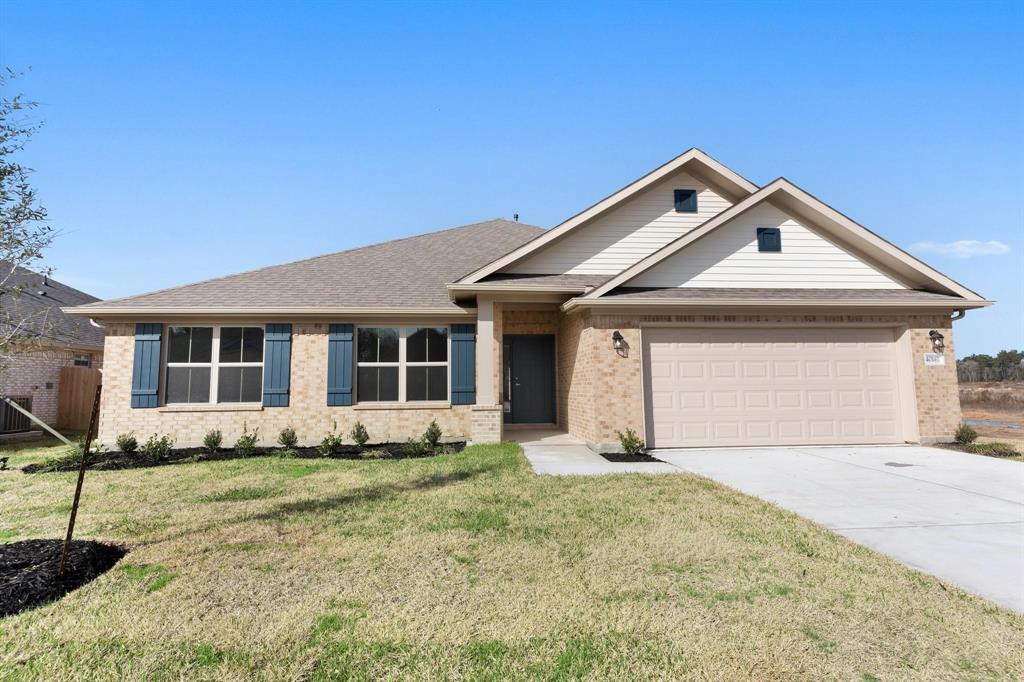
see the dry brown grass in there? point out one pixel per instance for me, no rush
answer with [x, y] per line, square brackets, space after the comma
[470, 567]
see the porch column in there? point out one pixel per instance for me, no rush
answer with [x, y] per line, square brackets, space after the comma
[487, 413]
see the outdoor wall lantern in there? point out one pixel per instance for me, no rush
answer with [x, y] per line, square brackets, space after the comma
[617, 340]
[937, 341]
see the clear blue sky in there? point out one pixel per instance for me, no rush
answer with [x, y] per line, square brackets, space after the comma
[190, 140]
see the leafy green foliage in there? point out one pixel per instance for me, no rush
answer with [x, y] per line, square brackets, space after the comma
[631, 443]
[965, 434]
[246, 443]
[332, 443]
[416, 448]
[288, 439]
[432, 436]
[127, 443]
[993, 449]
[157, 448]
[212, 441]
[359, 434]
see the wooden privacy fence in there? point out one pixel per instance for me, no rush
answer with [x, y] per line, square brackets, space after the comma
[75, 395]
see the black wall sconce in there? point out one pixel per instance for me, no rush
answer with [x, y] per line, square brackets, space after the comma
[938, 341]
[619, 343]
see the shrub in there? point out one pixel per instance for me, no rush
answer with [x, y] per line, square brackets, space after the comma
[993, 449]
[965, 434]
[127, 443]
[432, 435]
[631, 443]
[288, 439]
[376, 453]
[332, 442]
[212, 441]
[156, 449]
[415, 448]
[359, 434]
[246, 443]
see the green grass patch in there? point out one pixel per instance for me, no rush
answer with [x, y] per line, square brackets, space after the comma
[155, 577]
[241, 494]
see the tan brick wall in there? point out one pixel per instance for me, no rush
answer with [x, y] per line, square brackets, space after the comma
[486, 426]
[36, 374]
[307, 412]
[603, 392]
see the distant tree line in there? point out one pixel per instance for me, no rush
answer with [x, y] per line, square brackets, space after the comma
[1007, 365]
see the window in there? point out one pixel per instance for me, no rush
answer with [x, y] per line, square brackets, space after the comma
[84, 360]
[214, 364]
[401, 364]
[686, 200]
[769, 239]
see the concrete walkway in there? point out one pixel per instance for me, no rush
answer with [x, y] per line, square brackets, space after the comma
[957, 516]
[558, 454]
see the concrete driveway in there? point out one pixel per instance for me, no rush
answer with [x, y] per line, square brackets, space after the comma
[957, 516]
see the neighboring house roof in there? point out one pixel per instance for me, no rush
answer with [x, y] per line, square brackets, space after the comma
[38, 309]
[784, 194]
[402, 276]
[694, 160]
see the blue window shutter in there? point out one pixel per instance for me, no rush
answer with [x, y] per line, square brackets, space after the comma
[686, 200]
[339, 365]
[146, 366]
[277, 361]
[463, 364]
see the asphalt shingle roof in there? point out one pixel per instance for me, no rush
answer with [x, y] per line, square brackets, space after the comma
[404, 273]
[38, 309]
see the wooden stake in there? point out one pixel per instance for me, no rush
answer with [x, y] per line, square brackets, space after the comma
[89, 435]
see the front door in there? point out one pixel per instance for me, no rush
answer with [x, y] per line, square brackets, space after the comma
[529, 378]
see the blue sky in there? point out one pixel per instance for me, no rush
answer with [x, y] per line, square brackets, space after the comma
[190, 140]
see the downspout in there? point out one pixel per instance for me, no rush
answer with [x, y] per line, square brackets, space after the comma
[958, 314]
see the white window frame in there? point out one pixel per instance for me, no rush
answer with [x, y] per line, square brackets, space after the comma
[81, 360]
[402, 364]
[214, 364]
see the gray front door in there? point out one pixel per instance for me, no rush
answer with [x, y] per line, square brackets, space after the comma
[529, 376]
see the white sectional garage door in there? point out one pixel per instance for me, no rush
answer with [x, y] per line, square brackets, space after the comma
[757, 386]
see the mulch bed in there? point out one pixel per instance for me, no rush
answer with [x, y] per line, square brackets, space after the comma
[121, 460]
[28, 570]
[623, 457]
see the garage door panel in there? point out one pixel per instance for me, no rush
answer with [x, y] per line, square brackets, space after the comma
[708, 387]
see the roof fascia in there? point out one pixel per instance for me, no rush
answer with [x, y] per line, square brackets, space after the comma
[863, 303]
[711, 171]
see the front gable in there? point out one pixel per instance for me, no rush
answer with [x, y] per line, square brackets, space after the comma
[730, 258]
[629, 232]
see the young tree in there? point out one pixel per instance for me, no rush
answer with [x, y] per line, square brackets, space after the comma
[24, 231]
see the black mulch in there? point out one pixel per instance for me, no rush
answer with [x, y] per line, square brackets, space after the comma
[28, 570]
[623, 457]
[121, 460]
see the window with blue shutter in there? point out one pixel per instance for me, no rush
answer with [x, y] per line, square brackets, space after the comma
[686, 200]
[146, 365]
[277, 360]
[769, 239]
[339, 365]
[463, 364]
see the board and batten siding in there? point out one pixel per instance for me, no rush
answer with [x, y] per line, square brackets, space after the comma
[728, 258]
[611, 243]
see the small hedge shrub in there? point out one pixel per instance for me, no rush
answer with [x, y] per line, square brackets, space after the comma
[127, 443]
[965, 434]
[156, 448]
[432, 435]
[359, 434]
[631, 443]
[212, 441]
[246, 443]
[288, 439]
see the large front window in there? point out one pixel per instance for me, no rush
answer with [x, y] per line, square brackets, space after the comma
[399, 364]
[214, 365]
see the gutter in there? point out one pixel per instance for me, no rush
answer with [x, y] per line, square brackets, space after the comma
[107, 313]
[580, 303]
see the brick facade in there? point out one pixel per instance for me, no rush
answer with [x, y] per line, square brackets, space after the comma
[307, 411]
[36, 374]
[601, 391]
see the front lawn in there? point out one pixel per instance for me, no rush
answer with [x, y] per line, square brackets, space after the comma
[469, 566]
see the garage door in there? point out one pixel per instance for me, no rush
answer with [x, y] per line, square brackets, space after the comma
[740, 387]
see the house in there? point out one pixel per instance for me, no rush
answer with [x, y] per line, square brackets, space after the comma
[692, 306]
[50, 340]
